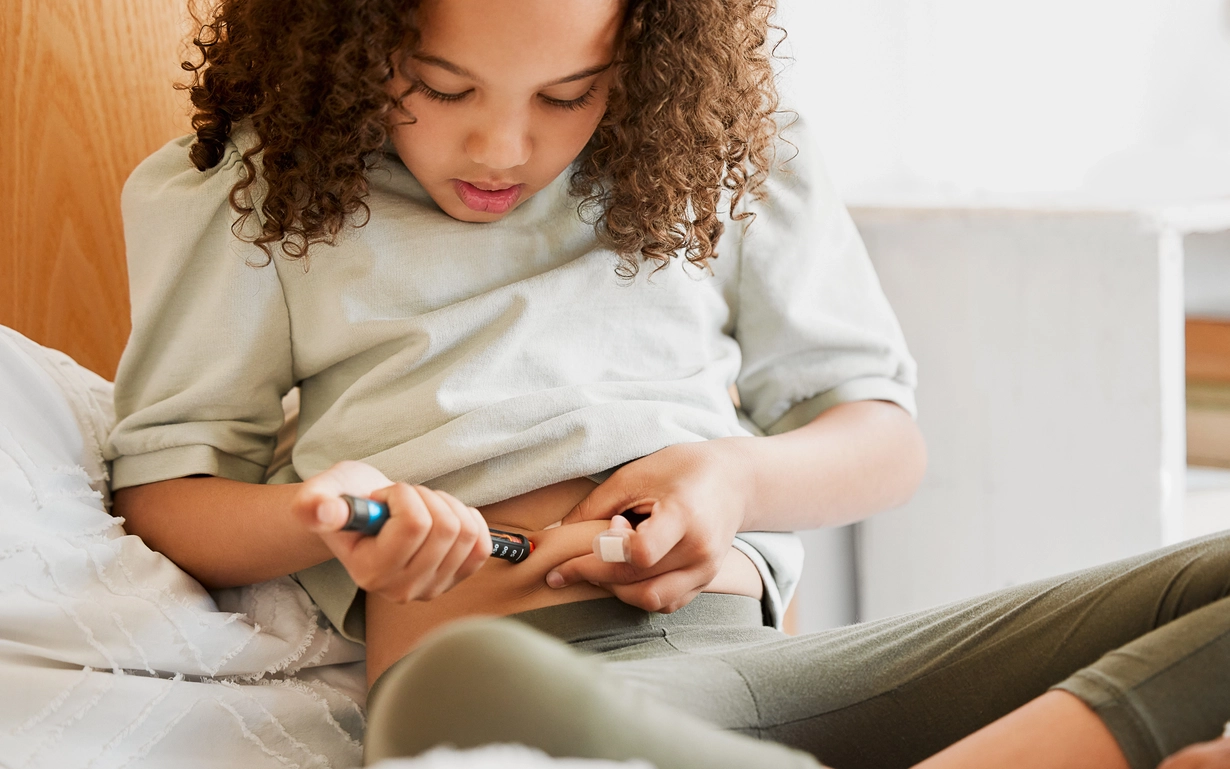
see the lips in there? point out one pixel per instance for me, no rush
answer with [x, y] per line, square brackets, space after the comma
[490, 201]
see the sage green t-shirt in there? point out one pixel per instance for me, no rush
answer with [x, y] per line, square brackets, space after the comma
[486, 360]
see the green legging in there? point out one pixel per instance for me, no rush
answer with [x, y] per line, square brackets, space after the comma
[1144, 641]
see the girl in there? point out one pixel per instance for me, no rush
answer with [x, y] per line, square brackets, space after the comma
[520, 252]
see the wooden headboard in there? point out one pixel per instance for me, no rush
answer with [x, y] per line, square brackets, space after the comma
[86, 93]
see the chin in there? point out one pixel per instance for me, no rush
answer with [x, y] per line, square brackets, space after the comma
[463, 214]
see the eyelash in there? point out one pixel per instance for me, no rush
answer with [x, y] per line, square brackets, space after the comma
[580, 102]
[434, 95]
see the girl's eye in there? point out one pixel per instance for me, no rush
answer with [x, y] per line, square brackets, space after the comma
[580, 102]
[431, 93]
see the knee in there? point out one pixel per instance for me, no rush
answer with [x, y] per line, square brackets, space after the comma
[466, 657]
[479, 655]
[1198, 575]
[476, 682]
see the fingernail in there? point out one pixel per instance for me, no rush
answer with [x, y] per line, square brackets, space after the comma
[326, 513]
[555, 579]
[555, 525]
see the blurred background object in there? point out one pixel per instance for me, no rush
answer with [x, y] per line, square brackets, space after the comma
[955, 101]
[1044, 188]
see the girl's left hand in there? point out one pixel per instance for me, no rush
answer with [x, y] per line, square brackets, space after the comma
[1202, 755]
[697, 496]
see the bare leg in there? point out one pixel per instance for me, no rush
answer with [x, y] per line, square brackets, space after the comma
[1054, 731]
[498, 588]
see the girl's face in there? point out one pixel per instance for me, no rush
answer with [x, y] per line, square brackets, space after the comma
[505, 95]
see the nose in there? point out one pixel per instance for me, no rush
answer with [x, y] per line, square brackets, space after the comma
[501, 142]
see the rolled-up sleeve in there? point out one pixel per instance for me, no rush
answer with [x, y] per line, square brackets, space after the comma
[813, 324]
[199, 386]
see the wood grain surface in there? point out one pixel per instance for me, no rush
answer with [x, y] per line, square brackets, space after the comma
[86, 92]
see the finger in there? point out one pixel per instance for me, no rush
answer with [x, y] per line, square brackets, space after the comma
[664, 593]
[616, 494]
[657, 535]
[480, 552]
[319, 507]
[342, 545]
[331, 514]
[318, 504]
[425, 566]
[375, 562]
[323, 511]
[620, 522]
[612, 545]
[1210, 754]
[473, 528]
[593, 506]
[591, 568]
[411, 576]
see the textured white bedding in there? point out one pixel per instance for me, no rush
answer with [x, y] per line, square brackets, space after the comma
[111, 656]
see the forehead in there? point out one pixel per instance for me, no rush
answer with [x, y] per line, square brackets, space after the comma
[533, 40]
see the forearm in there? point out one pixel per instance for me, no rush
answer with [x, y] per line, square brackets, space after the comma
[853, 460]
[222, 532]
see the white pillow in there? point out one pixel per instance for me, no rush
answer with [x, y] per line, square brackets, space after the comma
[252, 671]
[58, 411]
[78, 569]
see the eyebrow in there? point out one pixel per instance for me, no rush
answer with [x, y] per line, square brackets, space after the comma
[448, 66]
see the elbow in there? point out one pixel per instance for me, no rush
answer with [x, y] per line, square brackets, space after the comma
[912, 464]
[127, 504]
[146, 518]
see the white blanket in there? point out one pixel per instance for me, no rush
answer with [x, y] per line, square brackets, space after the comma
[110, 655]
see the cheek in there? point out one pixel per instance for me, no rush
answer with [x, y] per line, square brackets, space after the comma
[428, 142]
[569, 136]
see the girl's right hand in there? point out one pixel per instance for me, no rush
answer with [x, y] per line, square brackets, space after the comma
[430, 542]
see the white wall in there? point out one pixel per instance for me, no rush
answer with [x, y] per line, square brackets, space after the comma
[1085, 104]
[1104, 101]
[1049, 349]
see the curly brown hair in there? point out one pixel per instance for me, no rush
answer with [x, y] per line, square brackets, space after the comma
[690, 118]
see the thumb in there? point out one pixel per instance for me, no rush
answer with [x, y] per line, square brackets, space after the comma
[604, 501]
[331, 515]
[620, 522]
[321, 512]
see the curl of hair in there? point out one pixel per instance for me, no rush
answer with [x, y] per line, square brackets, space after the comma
[690, 118]
[310, 77]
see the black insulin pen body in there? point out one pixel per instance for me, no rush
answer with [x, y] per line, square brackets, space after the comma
[367, 516]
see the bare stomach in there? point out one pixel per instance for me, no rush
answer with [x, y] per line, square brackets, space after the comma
[501, 588]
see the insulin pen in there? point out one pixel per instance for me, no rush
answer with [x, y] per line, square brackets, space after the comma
[368, 515]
